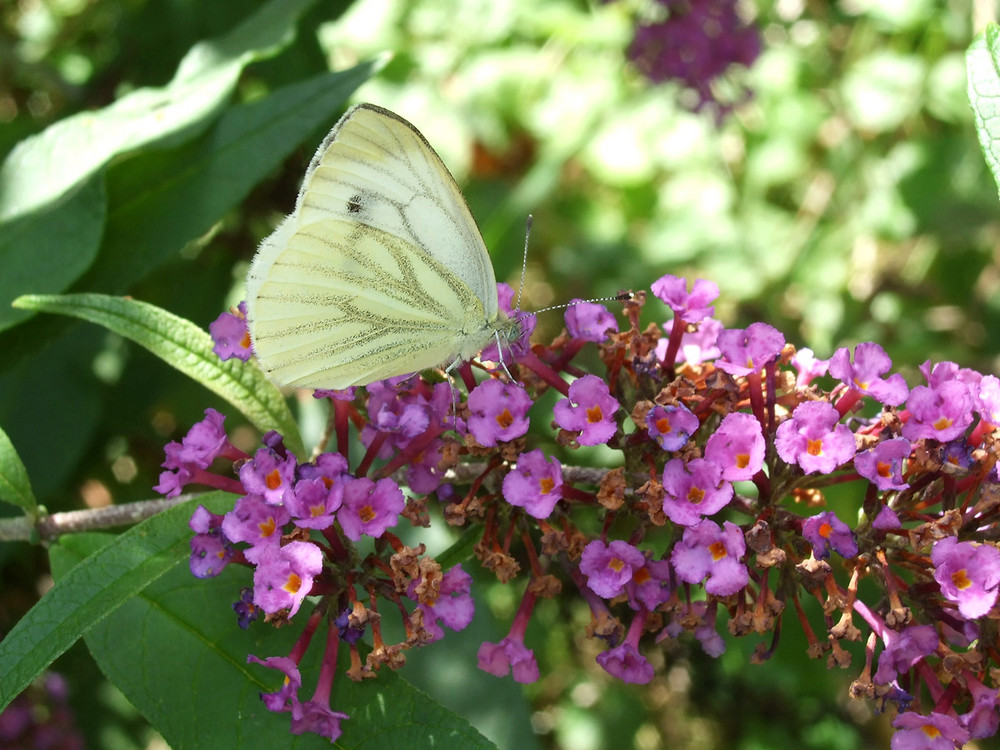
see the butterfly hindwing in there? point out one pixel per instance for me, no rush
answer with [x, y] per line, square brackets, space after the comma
[314, 325]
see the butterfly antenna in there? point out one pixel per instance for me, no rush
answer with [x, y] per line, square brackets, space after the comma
[620, 297]
[524, 260]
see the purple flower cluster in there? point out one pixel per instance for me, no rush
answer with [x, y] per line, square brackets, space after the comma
[693, 42]
[727, 439]
[270, 529]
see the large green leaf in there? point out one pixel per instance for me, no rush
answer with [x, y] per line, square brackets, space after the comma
[983, 70]
[41, 169]
[43, 255]
[182, 344]
[159, 201]
[90, 591]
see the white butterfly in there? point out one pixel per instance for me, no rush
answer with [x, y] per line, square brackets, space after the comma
[380, 269]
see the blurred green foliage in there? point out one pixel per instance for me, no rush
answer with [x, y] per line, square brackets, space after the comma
[846, 200]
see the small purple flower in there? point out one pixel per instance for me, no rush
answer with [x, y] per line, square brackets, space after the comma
[330, 467]
[314, 502]
[511, 653]
[748, 350]
[825, 531]
[940, 412]
[691, 307]
[987, 399]
[508, 655]
[369, 508]
[704, 628]
[706, 550]
[886, 519]
[814, 439]
[968, 575]
[694, 489]
[589, 410]
[609, 567]
[981, 720]
[934, 732]
[535, 484]
[808, 367]
[211, 551]
[397, 414]
[287, 695]
[255, 522]
[944, 372]
[737, 447]
[204, 442]
[589, 321]
[498, 412]
[624, 661]
[269, 475]
[246, 611]
[700, 345]
[230, 334]
[424, 473]
[883, 464]
[453, 608]
[671, 426]
[650, 584]
[317, 718]
[865, 375]
[284, 576]
[904, 649]
[209, 555]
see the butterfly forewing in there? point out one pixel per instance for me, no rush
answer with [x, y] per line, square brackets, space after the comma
[380, 171]
[315, 326]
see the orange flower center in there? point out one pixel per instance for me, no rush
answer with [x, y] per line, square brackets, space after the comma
[961, 579]
[273, 480]
[293, 584]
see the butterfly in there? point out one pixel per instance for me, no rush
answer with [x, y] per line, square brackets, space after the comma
[379, 270]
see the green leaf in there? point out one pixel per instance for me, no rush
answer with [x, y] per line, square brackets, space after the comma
[15, 488]
[182, 344]
[95, 588]
[157, 207]
[44, 167]
[46, 256]
[983, 65]
[164, 200]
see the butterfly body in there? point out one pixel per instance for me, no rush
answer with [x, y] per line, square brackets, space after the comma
[380, 269]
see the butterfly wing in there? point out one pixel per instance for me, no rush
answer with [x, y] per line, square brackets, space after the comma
[339, 304]
[376, 169]
[380, 269]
